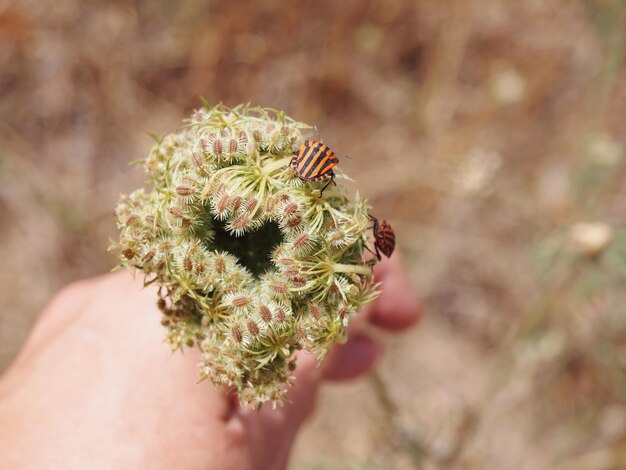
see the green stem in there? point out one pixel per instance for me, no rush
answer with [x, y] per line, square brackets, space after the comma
[352, 268]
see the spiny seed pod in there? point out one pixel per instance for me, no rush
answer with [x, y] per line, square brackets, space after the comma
[252, 263]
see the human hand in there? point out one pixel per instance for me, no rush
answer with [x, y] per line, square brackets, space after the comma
[95, 386]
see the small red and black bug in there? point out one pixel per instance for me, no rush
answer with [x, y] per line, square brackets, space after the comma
[384, 238]
[314, 161]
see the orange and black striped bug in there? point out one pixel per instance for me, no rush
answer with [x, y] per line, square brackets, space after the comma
[384, 238]
[314, 161]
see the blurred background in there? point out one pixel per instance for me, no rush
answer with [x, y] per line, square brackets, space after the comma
[490, 134]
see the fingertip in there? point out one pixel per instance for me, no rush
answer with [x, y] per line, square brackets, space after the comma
[389, 265]
[351, 360]
[398, 307]
[397, 314]
[302, 395]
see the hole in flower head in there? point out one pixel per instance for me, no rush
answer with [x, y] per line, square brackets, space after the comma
[253, 249]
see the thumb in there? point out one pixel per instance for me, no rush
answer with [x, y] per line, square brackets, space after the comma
[271, 432]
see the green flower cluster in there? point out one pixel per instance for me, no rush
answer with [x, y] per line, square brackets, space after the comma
[251, 262]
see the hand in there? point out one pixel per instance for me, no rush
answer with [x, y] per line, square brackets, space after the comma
[96, 387]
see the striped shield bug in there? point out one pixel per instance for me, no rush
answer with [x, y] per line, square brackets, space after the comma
[314, 161]
[384, 238]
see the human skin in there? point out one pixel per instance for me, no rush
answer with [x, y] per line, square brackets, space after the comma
[95, 386]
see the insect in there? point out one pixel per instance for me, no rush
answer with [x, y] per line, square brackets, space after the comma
[384, 238]
[314, 161]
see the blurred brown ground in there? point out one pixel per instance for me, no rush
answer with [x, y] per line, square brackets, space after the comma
[481, 129]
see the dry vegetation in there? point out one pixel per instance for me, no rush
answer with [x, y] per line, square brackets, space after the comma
[483, 130]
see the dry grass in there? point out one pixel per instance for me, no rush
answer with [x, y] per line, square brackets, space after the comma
[482, 129]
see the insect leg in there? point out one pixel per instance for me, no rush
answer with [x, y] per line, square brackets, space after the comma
[369, 249]
[332, 180]
[377, 253]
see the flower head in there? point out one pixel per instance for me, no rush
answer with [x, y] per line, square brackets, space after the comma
[251, 262]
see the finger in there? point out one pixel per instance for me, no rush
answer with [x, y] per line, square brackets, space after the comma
[351, 360]
[344, 362]
[271, 431]
[398, 307]
[300, 398]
